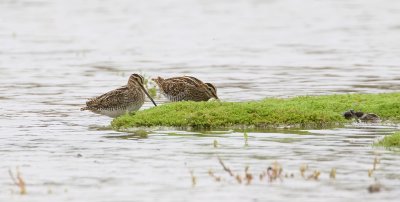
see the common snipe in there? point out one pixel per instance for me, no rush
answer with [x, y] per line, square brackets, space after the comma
[122, 100]
[186, 88]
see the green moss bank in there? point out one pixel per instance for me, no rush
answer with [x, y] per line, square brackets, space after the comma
[390, 141]
[303, 111]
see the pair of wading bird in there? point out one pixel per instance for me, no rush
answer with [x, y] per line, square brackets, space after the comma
[130, 98]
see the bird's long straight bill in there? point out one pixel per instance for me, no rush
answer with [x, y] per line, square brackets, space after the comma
[215, 96]
[148, 95]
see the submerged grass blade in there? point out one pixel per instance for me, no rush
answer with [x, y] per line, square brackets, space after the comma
[246, 138]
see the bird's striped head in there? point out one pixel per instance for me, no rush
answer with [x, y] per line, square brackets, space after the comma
[136, 79]
[212, 90]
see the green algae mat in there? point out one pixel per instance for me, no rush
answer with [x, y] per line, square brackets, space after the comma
[303, 111]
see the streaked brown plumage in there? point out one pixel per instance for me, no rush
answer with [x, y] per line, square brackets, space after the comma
[122, 100]
[186, 88]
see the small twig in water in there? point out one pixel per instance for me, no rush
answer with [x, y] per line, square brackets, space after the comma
[332, 174]
[274, 172]
[194, 179]
[249, 176]
[370, 172]
[224, 167]
[303, 169]
[314, 176]
[211, 174]
[215, 143]
[18, 181]
[376, 162]
[238, 179]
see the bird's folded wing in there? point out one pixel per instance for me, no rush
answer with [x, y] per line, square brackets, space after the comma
[176, 88]
[110, 100]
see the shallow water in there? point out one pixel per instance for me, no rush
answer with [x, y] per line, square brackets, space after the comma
[56, 54]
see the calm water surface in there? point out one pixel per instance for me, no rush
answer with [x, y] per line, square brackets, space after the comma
[56, 54]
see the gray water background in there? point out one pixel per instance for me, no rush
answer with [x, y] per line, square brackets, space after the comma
[56, 54]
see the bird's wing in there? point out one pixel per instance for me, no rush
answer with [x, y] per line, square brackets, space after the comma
[197, 93]
[175, 88]
[110, 100]
[188, 79]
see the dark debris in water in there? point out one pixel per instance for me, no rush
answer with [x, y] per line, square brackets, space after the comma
[360, 116]
[376, 187]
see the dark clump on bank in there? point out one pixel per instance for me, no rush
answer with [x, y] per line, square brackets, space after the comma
[303, 111]
[361, 116]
